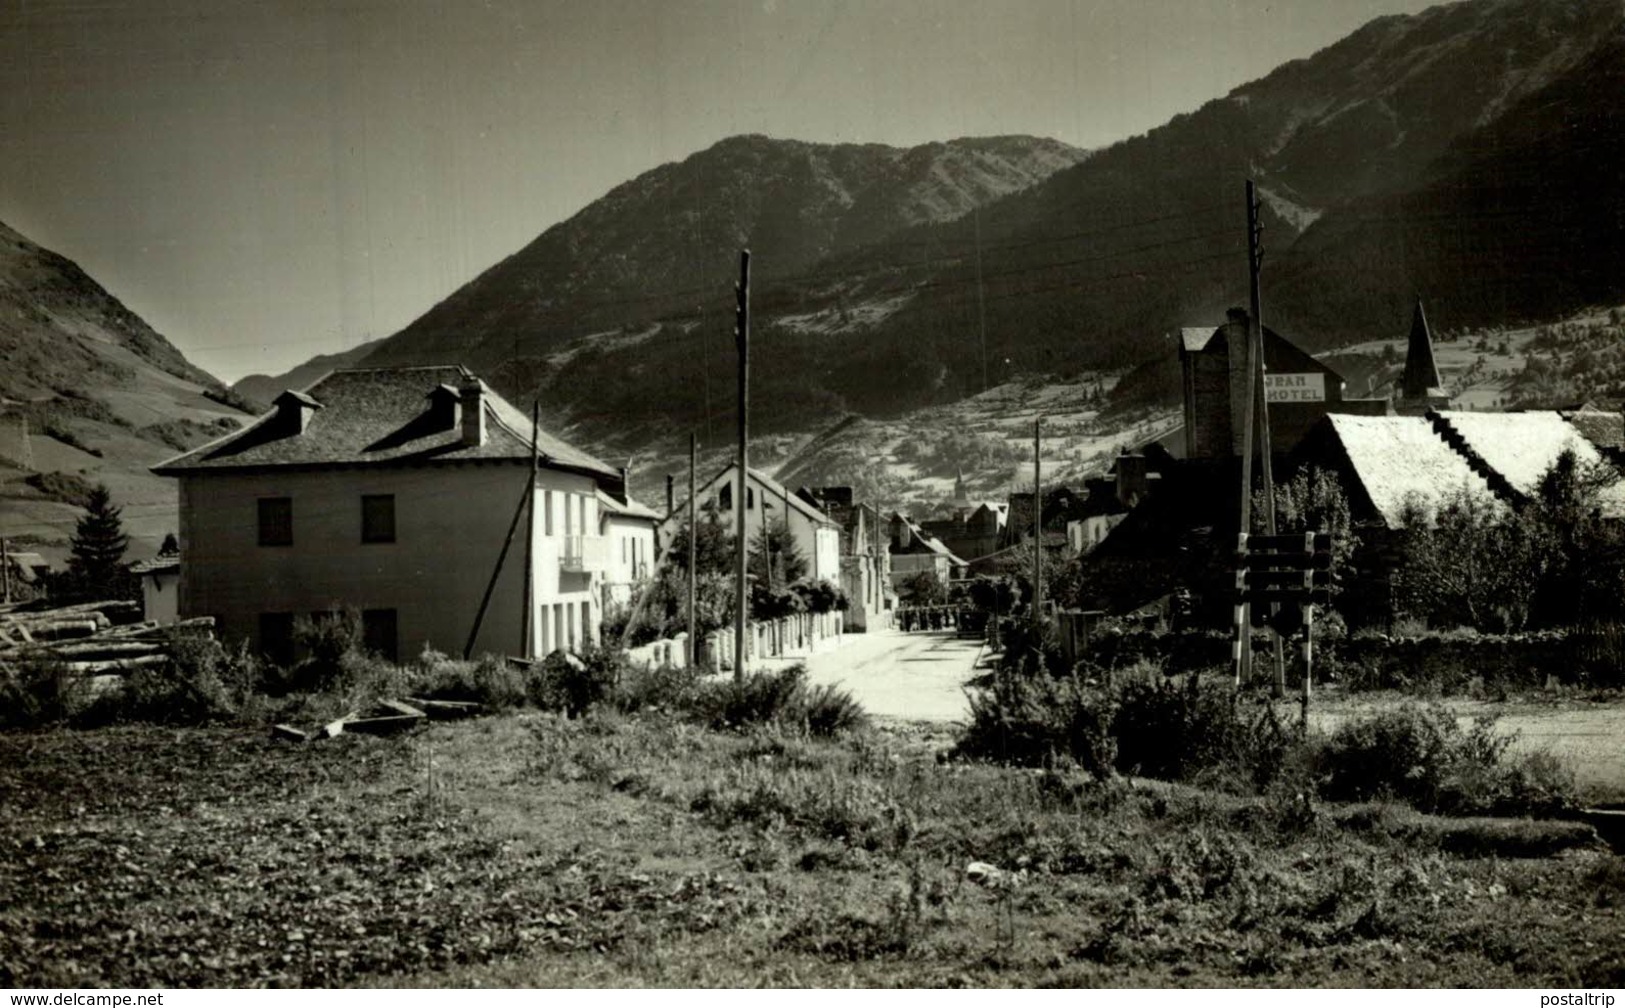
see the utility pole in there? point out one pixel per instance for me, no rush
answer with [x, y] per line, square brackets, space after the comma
[742, 336]
[981, 304]
[1244, 630]
[530, 534]
[1266, 448]
[1038, 527]
[693, 553]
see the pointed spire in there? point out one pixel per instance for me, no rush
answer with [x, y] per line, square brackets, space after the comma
[1421, 378]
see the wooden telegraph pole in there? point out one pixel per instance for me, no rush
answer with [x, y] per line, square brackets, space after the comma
[1038, 527]
[693, 552]
[530, 534]
[742, 534]
[1266, 448]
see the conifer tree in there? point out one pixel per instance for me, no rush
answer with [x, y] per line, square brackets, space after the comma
[96, 566]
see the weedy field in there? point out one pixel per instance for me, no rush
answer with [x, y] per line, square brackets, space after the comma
[641, 850]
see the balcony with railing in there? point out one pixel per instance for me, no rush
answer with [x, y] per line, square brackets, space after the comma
[583, 553]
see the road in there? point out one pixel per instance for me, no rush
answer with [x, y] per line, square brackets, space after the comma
[917, 676]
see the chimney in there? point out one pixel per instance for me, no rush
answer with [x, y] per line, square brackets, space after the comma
[473, 409]
[1132, 479]
[671, 493]
[443, 407]
[293, 410]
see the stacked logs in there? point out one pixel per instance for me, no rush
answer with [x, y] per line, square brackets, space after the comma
[92, 638]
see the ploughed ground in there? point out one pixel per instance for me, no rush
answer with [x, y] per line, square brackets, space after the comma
[616, 850]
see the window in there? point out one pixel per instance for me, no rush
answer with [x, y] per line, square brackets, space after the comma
[569, 517]
[276, 638]
[558, 626]
[586, 624]
[750, 498]
[725, 497]
[570, 623]
[276, 521]
[547, 512]
[378, 518]
[378, 633]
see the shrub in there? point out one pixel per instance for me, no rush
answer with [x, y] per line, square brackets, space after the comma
[760, 698]
[1030, 720]
[39, 691]
[1422, 756]
[490, 680]
[779, 698]
[1196, 730]
[203, 683]
[573, 683]
[829, 710]
[666, 687]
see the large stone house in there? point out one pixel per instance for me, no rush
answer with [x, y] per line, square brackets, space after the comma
[392, 491]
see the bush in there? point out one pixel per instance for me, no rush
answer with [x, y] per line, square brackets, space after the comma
[1031, 720]
[39, 691]
[760, 698]
[573, 683]
[203, 683]
[490, 681]
[1421, 756]
[663, 687]
[1196, 730]
[779, 698]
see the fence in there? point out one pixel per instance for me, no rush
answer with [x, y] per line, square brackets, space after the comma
[798, 634]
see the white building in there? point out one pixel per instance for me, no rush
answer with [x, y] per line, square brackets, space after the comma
[816, 535]
[393, 491]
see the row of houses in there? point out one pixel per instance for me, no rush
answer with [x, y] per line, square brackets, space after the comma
[416, 497]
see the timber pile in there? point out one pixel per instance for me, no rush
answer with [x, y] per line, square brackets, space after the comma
[92, 638]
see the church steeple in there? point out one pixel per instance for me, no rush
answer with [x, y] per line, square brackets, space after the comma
[1420, 388]
[961, 494]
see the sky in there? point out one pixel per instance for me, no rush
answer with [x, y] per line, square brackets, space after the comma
[264, 181]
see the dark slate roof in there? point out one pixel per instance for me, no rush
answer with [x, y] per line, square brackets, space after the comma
[373, 416]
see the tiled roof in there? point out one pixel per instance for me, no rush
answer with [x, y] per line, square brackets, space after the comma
[1521, 447]
[162, 562]
[376, 416]
[1402, 459]
[1195, 339]
[1603, 428]
[628, 508]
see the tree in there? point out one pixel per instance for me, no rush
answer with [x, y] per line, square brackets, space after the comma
[713, 547]
[1473, 564]
[96, 564]
[1313, 500]
[922, 588]
[775, 559]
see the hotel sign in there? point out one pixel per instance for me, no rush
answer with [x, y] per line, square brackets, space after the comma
[1286, 388]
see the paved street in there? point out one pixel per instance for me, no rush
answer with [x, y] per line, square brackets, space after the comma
[916, 676]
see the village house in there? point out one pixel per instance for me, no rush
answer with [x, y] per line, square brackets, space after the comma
[971, 532]
[865, 560]
[768, 503]
[160, 587]
[629, 529]
[392, 492]
[915, 551]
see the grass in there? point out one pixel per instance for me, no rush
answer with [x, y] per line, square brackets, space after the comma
[645, 849]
